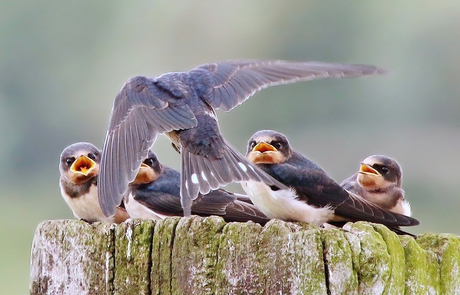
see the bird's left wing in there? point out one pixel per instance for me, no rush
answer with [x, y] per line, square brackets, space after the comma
[142, 109]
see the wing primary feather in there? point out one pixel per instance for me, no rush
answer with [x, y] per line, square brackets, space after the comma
[258, 75]
[185, 198]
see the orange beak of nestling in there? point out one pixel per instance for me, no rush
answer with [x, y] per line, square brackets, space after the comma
[369, 178]
[84, 166]
[264, 153]
[366, 169]
[145, 175]
[263, 147]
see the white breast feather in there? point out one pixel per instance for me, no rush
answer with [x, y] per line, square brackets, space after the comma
[284, 205]
[406, 208]
[86, 206]
[137, 210]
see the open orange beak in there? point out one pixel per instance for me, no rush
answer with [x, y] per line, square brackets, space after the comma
[366, 169]
[263, 147]
[264, 153]
[145, 175]
[84, 166]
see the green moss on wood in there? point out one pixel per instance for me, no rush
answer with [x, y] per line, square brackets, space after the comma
[163, 239]
[291, 260]
[373, 259]
[194, 255]
[395, 284]
[338, 256]
[237, 270]
[133, 243]
[447, 249]
[422, 269]
[207, 256]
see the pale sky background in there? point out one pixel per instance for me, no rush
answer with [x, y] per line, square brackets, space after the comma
[62, 63]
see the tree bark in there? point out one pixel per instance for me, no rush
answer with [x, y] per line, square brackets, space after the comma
[208, 256]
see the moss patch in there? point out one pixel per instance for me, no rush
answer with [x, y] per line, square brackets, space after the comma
[194, 255]
[447, 249]
[133, 242]
[237, 270]
[161, 271]
[291, 259]
[422, 272]
[341, 276]
[395, 284]
[370, 257]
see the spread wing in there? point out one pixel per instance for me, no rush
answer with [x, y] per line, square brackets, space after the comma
[233, 82]
[142, 109]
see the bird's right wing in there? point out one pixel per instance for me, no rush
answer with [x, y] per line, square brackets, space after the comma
[233, 82]
[357, 208]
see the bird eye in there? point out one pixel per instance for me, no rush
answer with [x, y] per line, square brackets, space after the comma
[252, 144]
[69, 161]
[149, 162]
[276, 144]
[384, 170]
[92, 156]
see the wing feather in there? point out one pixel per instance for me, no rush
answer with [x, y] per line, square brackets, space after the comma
[141, 111]
[233, 82]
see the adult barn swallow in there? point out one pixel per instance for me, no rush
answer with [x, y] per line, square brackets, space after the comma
[155, 193]
[379, 180]
[182, 105]
[312, 195]
[79, 168]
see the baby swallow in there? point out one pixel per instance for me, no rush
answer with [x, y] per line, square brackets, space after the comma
[79, 167]
[379, 180]
[312, 195]
[155, 193]
[182, 105]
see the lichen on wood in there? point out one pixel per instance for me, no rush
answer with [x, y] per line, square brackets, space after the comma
[72, 257]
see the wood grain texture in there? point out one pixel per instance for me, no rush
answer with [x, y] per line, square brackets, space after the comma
[208, 256]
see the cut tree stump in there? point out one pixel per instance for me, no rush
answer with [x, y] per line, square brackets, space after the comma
[208, 256]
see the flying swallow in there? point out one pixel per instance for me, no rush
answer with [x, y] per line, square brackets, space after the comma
[312, 195]
[155, 193]
[182, 105]
[79, 168]
[379, 180]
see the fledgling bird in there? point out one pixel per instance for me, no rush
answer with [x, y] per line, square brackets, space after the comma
[312, 195]
[79, 168]
[182, 105]
[155, 193]
[379, 180]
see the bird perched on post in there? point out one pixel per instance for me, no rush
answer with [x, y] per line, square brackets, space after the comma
[79, 168]
[155, 193]
[379, 180]
[182, 105]
[312, 196]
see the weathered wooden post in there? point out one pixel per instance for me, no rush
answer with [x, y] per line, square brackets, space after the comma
[208, 256]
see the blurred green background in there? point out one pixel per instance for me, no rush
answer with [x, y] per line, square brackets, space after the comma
[61, 65]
